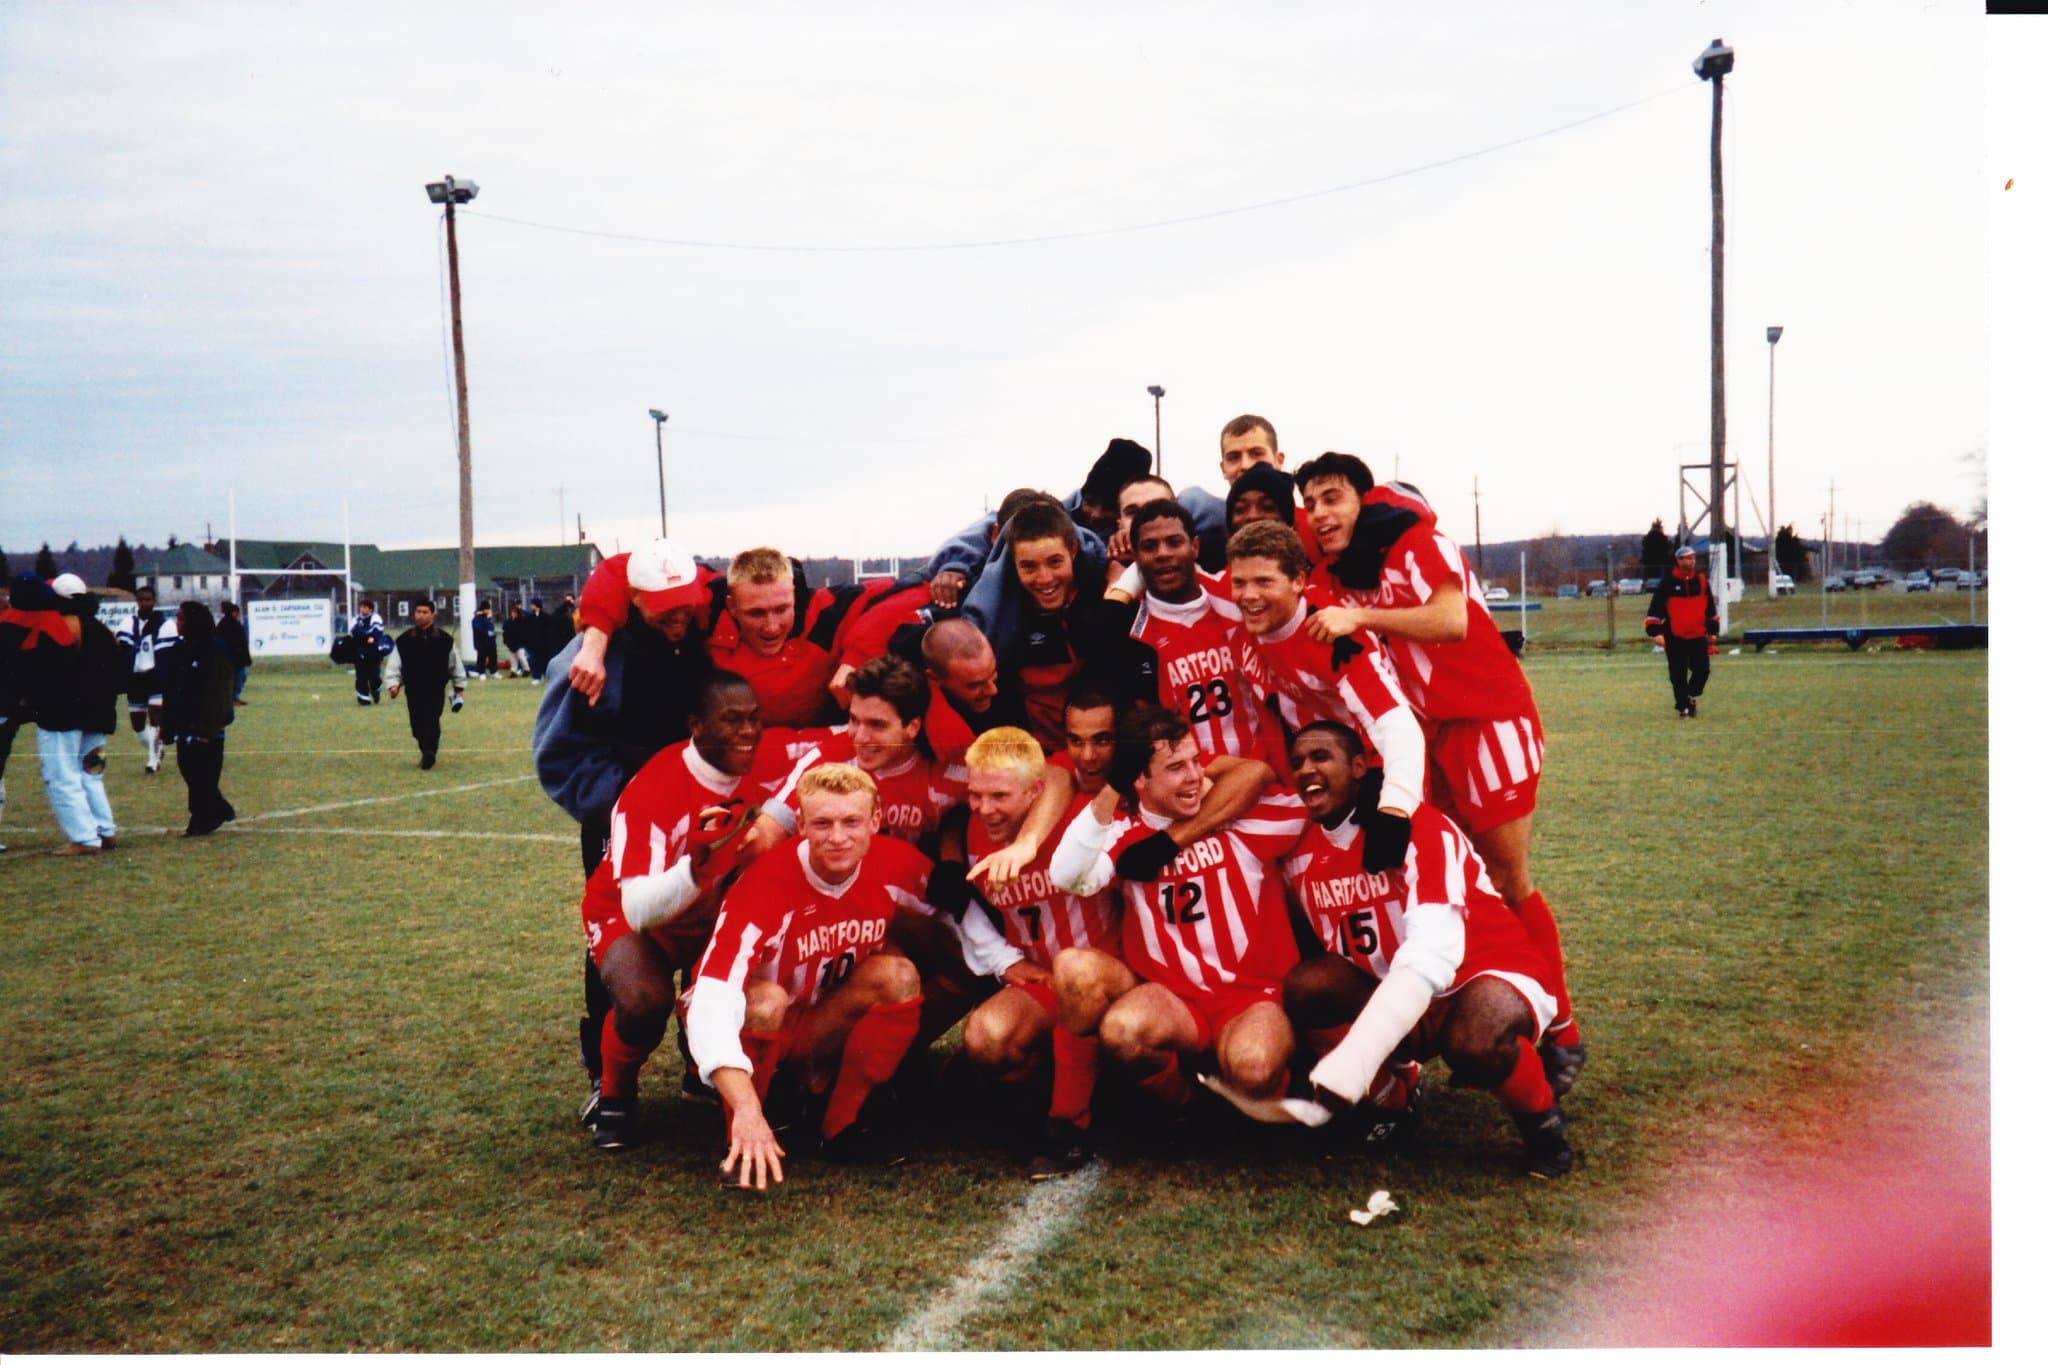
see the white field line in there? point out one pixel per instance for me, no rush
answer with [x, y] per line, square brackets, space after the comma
[1044, 1216]
[412, 834]
[379, 800]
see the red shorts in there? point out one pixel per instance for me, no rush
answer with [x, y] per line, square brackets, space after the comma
[1214, 1009]
[1484, 772]
[604, 924]
[1040, 993]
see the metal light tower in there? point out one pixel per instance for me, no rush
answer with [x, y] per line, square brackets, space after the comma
[448, 192]
[1711, 65]
[1771, 334]
[660, 467]
[1158, 455]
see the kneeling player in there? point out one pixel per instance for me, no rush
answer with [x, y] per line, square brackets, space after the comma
[1426, 959]
[648, 907]
[792, 975]
[1011, 1033]
[1206, 936]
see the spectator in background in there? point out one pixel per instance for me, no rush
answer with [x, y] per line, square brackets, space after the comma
[103, 678]
[233, 630]
[1684, 618]
[146, 632]
[423, 662]
[371, 645]
[518, 631]
[199, 705]
[42, 674]
[483, 631]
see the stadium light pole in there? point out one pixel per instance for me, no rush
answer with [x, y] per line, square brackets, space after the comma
[1711, 65]
[1158, 455]
[448, 192]
[660, 467]
[1771, 335]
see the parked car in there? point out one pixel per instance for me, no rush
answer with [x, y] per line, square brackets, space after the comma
[1834, 582]
[1947, 575]
[1496, 594]
[1918, 581]
[1597, 588]
[1567, 591]
[1782, 585]
[1865, 579]
[1966, 579]
[1629, 587]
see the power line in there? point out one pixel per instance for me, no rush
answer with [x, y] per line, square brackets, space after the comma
[1082, 233]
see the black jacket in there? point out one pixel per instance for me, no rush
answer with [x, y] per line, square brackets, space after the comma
[199, 688]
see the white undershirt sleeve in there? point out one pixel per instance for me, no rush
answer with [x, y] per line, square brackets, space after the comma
[658, 898]
[1398, 738]
[1424, 964]
[718, 1010]
[1081, 863]
[982, 945]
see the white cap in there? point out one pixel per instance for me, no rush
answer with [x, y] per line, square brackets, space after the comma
[665, 577]
[68, 585]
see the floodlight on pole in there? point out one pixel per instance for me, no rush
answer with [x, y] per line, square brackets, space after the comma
[660, 467]
[1158, 455]
[1711, 65]
[448, 192]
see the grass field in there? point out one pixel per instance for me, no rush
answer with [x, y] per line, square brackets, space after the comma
[1577, 624]
[310, 1084]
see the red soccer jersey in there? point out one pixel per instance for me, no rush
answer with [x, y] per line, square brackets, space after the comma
[1036, 917]
[674, 793]
[866, 636]
[790, 684]
[781, 923]
[1475, 678]
[1216, 917]
[913, 793]
[1200, 679]
[1303, 678]
[1362, 915]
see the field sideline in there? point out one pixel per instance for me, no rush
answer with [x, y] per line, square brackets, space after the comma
[309, 1085]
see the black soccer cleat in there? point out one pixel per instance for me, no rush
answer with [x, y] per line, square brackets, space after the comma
[862, 1144]
[426, 761]
[1546, 1155]
[1561, 1066]
[1389, 1128]
[1061, 1150]
[615, 1123]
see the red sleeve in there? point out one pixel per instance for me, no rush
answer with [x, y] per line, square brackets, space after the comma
[903, 869]
[1367, 683]
[1427, 556]
[654, 804]
[605, 597]
[1272, 827]
[1436, 860]
[867, 636]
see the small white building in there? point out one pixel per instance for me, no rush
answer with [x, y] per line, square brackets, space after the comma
[186, 573]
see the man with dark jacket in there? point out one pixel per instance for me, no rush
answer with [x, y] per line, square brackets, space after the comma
[586, 751]
[199, 705]
[1684, 618]
[371, 644]
[42, 674]
[426, 658]
[235, 633]
[483, 631]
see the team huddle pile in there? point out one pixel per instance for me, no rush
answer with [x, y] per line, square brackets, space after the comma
[1153, 791]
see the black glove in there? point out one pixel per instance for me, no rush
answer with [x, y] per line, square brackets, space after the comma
[1385, 846]
[947, 888]
[1146, 859]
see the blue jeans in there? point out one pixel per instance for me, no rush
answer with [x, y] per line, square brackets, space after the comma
[93, 762]
[63, 754]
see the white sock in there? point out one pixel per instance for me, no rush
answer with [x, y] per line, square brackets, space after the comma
[153, 741]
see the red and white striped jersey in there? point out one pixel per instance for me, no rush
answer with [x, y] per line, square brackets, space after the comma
[913, 793]
[1199, 677]
[1362, 915]
[1216, 917]
[1475, 678]
[781, 923]
[1308, 685]
[1038, 918]
[674, 793]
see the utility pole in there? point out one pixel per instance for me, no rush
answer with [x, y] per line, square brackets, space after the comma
[1712, 65]
[1771, 335]
[448, 192]
[1478, 546]
[660, 467]
[1158, 453]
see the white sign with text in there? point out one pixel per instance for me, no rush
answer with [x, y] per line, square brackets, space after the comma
[295, 625]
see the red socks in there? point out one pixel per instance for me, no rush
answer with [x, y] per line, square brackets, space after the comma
[875, 1047]
[1527, 1089]
[1534, 912]
[1167, 1084]
[1074, 1061]
[621, 1061]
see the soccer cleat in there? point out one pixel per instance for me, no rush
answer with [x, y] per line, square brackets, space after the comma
[586, 1116]
[1546, 1155]
[1394, 1127]
[862, 1144]
[150, 769]
[1063, 1149]
[426, 761]
[1561, 1066]
[1692, 708]
[613, 1127]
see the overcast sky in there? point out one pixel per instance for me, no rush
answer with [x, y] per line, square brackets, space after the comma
[221, 274]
